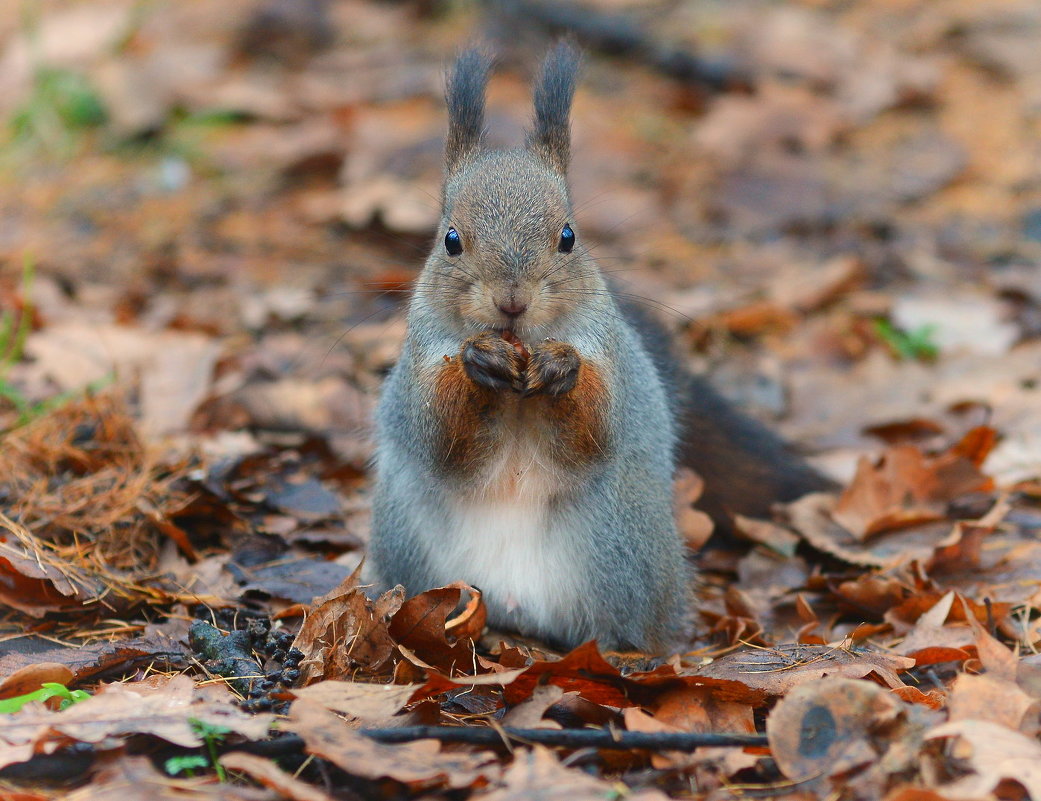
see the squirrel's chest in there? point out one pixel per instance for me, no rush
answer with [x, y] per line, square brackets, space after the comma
[508, 535]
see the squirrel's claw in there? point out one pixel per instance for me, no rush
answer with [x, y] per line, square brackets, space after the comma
[552, 369]
[492, 362]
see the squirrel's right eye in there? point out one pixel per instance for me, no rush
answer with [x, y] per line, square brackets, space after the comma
[453, 244]
[567, 239]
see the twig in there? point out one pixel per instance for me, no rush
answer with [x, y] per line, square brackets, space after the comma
[565, 738]
[71, 763]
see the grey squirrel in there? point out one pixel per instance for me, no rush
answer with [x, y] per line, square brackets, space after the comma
[528, 436]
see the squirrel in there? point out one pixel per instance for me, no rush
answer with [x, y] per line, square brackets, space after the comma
[528, 436]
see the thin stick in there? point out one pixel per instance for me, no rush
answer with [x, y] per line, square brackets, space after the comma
[564, 738]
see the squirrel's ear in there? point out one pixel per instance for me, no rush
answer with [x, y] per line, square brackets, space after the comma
[550, 138]
[465, 97]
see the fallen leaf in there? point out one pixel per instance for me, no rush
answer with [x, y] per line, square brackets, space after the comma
[298, 579]
[371, 704]
[583, 670]
[694, 526]
[422, 764]
[267, 773]
[344, 629]
[538, 774]
[134, 778]
[118, 710]
[85, 661]
[905, 487]
[829, 727]
[773, 536]
[172, 369]
[941, 634]
[994, 753]
[529, 713]
[422, 625]
[779, 669]
[32, 677]
[995, 700]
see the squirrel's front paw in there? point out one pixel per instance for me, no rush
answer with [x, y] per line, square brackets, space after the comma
[552, 369]
[490, 361]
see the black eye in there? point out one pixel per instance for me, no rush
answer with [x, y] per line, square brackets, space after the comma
[453, 244]
[567, 239]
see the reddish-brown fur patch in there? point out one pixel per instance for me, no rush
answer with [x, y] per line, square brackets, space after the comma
[463, 407]
[579, 419]
[576, 421]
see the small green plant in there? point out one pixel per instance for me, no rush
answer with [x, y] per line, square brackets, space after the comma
[187, 763]
[14, 329]
[47, 691]
[14, 326]
[916, 344]
[61, 105]
[212, 735]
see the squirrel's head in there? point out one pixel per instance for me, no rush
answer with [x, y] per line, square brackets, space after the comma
[507, 253]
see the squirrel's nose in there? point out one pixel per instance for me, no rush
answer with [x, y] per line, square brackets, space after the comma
[512, 307]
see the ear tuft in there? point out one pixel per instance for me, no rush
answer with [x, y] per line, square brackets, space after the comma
[464, 95]
[550, 138]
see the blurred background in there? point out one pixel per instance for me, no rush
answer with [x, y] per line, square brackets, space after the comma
[836, 204]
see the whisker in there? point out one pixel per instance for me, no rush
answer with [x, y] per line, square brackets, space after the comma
[629, 296]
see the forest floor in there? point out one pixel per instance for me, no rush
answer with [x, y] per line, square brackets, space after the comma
[210, 215]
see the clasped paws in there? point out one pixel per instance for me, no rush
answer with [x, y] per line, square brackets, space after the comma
[549, 368]
[492, 362]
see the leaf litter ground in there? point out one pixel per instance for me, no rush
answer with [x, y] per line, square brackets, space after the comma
[208, 275]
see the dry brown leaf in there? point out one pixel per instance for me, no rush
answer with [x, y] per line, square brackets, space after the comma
[344, 629]
[696, 709]
[916, 794]
[267, 773]
[694, 526]
[869, 595]
[812, 518]
[829, 727]
[934, 699]
[705, 764]
[156, 646]
[583, 671]
[134, 778]
[993, 699]
[422, 625]
[995, 754]
[699, 709]
[538, 774]
[173, 369]
[370, 704]
[529, 713]
[36, 586]
[422, 764]
[118, 710]
[997, 659]
[777, 538]
[905, 487]
[938, 635]
[32, 677]
[777, 670]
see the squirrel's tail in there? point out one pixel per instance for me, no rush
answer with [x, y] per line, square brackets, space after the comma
[746, 467]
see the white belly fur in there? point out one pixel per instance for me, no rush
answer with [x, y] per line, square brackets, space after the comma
[500, 538]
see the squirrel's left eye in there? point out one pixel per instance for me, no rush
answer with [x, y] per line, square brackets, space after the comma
[567, 239]
[453, 244]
